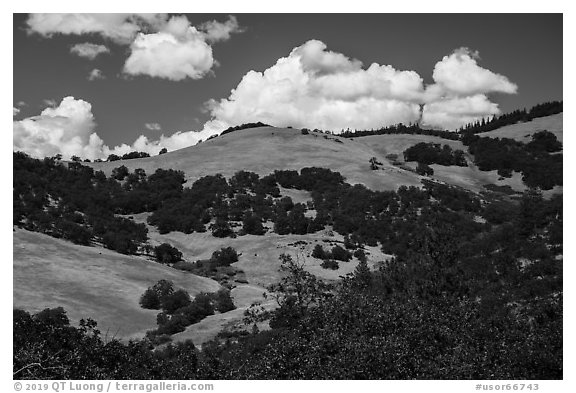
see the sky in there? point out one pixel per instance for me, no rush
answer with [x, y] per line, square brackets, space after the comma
[95, 84]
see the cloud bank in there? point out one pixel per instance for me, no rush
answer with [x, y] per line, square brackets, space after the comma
[69, 128]
[311, 87]
[317, 88]
[120, 28]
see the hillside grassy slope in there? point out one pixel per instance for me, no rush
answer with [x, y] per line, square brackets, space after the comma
[522, 131]
[263, 150]
[91, 282]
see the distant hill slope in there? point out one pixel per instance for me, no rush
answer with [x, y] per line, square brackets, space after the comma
[265, 149]
[262, 150]
[523, 131]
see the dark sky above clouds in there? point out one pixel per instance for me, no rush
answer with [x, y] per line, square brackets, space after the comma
[132, 86]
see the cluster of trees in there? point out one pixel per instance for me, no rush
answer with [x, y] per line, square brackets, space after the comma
[213, 202]
[411, 129]
[214, 198]
[433, 313]
[179, 310]
[434, 153]
[539, 161]
[72, 202]
[128, 156]
[243, 127]
[330, 258]
[337, 253]
[517, 116]
[217, 267]
[47, 347]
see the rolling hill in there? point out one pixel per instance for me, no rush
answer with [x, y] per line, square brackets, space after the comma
[104, 285]
[265, 149]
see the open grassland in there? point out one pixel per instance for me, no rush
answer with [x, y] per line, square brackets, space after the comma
[91, 282]
[522, 131]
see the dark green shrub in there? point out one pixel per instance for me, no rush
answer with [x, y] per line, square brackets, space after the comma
[424, 169]
[319, 252]
[223, 301]
[165, 253]
[175, 301]
[224, 257]
[175, 324]
[330, 264]
[341, 254]
[155, 295]
[150, 300]
[252, 225]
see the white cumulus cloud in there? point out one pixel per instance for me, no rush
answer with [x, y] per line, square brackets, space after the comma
[95, 74]
[316, 88]
[177, 52]
[67, 129]
[121, 28]
[452, 113]
[215, 31]
[89, 50]
[153, 126]
[459, 74]
[160, 47]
